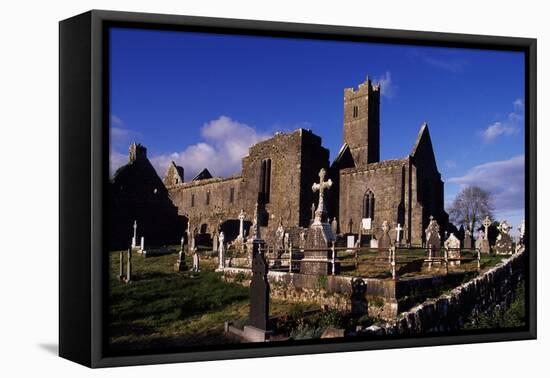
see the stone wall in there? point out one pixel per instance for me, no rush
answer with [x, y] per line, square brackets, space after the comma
[448, 312]
[295, 160]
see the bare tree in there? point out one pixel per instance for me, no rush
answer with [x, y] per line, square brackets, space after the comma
[470, 206]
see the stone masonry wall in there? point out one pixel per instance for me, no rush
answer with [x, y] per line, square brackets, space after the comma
[448, 312]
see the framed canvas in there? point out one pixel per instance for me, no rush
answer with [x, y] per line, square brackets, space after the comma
[234, 188]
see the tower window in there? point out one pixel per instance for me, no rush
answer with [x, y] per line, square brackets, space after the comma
[192, 200]
[355, 111]
[368, 205]
[265, 180]
[231, 195]
[207, 198]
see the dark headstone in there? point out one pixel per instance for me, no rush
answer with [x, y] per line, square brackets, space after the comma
[433, 240]
[359, 304]
[259, 290]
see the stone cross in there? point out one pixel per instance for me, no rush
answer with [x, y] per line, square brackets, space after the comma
[134, 239]
[142, 244]
[181, 245]
[221, 255]
[398, 236]
[259, 290]
[256, 225]
[241, 225]
[486, 224]
[321, 186]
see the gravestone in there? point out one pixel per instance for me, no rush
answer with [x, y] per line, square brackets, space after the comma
[504, 245]
[350, 242]
[484, 244]
[280, 236]
[433, 239]
[221, 253]
[359, 304]
[319, 236]
[384, 244]
[259, 290]
[452, 245]
[215, 243]
[373, 242]
[334, 226]
[134, 238]
[241, 225]
[196, 261]
[467, 238]
[128, 277]
[180, 265]
[350, 226]
[479, 240]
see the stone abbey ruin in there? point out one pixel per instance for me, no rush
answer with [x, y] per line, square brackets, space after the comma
[358, 235]
[278, 173]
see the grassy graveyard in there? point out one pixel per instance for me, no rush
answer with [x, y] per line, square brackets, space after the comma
[161, 307]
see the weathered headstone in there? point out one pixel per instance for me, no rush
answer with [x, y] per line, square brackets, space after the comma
[467, 238]
[433, 239]
[317, 256]
[350, 242]
[221, 253]
[373, 242]
[215, 242]
[180, 265]
[452, 245]
[504, 245]
[196, 261]
[134, 238]
[334, 226]
[279, 236]
[128, 277]
[359, 304]
[384, 244]
[384, 241]
[350, 226]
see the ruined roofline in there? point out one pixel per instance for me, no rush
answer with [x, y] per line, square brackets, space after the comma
[213, 180]
[392, 163]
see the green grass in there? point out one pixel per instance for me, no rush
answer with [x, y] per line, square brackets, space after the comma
[163, 308]
[366, 264]
[512, 317]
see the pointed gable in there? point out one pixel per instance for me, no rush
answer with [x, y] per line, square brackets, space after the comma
[174, 175]
[344, 159]
[423, 149]
[202, 175]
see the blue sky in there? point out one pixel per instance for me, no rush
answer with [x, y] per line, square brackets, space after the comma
[202, 99]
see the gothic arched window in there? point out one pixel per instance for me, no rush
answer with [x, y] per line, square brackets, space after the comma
[368, 204]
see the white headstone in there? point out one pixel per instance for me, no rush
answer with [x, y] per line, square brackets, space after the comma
[221, 254]
[351, 241]
[366, 223]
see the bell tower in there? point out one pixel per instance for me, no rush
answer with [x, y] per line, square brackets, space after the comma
[362, 123]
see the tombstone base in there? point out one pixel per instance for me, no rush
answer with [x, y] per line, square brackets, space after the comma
[255, 335]
[180, 266]
[485, 248]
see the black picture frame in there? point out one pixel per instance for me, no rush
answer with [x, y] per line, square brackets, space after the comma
[84, 164]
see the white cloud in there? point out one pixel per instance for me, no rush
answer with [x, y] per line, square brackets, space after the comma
[512, 125]
[505, 179]
[116, 160]
[120, 135]
[387, 87]
[225, 143]
[450, 65]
